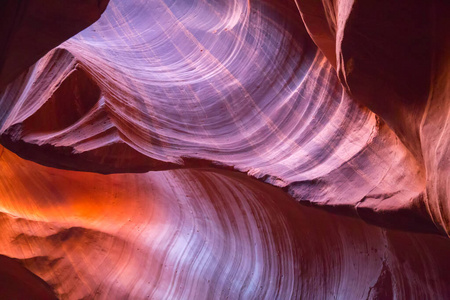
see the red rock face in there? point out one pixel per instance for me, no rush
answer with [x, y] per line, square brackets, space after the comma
[394, 59]
[191, 102]
[29, 29]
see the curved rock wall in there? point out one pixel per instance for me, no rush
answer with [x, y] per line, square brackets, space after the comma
[394, 60]
[150, 87]
[226, 93]
[202, 234]
[29, 29]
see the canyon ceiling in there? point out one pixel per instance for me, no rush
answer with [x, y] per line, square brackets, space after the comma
[241, 149]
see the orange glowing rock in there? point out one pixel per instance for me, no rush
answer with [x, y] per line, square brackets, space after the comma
[201, 234]
[161, 151]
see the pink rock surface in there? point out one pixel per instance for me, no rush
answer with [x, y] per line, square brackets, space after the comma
[202, 234]
[337, 104]
[155, 86]
[394, 59]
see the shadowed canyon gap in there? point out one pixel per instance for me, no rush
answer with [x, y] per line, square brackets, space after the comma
[161, 152]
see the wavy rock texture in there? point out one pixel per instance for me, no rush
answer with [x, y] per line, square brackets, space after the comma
[155, 86]
[401, 75]
[202, 234]
[221, 90]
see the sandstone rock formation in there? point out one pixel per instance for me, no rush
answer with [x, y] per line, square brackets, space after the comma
[206, 120]
[29, 29]
[202, 234]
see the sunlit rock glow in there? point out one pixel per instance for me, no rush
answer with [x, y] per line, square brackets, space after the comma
[172, 140]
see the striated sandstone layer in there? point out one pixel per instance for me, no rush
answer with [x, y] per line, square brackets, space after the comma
[202, 234]
[339, 104]
[155, 86]
[394, 59]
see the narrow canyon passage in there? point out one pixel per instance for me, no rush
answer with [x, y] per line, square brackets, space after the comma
[242, 149]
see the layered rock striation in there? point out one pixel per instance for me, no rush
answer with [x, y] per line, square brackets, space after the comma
[182, 105]
[202, 234]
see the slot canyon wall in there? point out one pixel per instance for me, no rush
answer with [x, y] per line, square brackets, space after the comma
[224, 149]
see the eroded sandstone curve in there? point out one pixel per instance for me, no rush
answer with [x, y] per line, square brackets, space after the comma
[202, 234]
[155, 85]
[394, 59]
[29, 29]
[340, 104]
